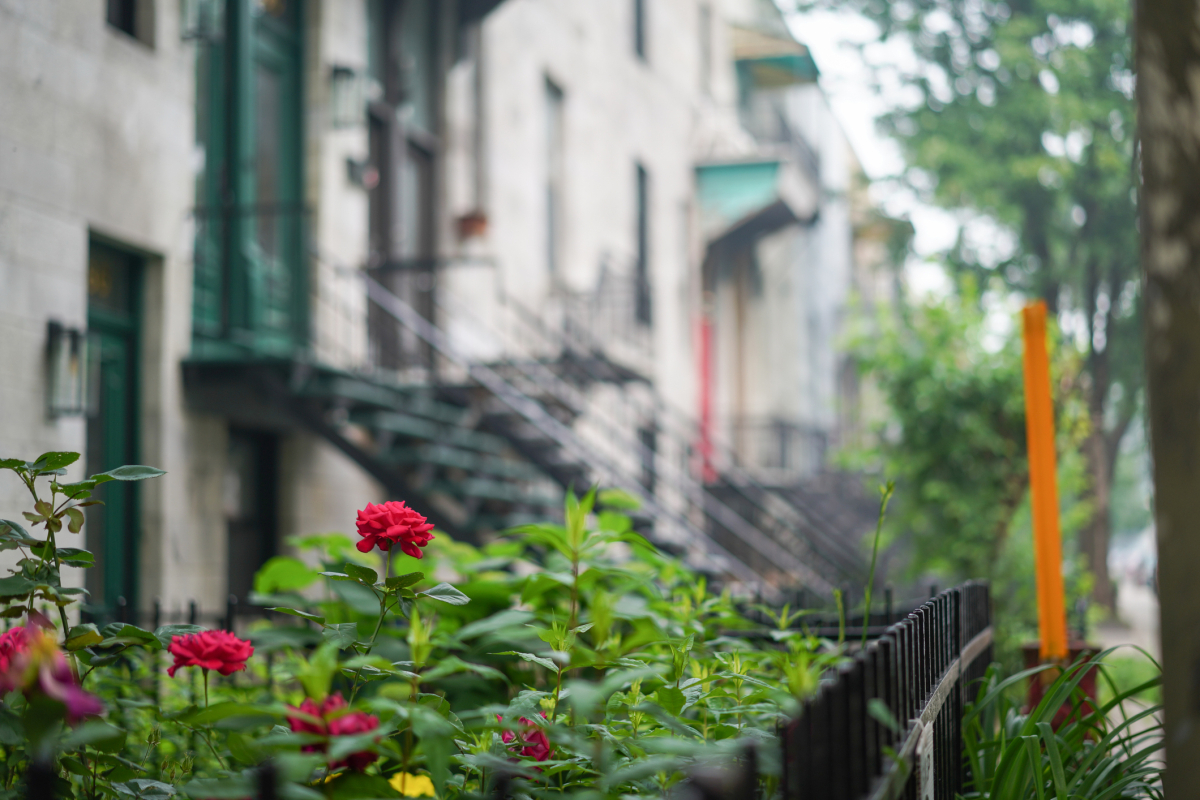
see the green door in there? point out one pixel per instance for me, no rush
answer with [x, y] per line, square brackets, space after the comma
[114, 284]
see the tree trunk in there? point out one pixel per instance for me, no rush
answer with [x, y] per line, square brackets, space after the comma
[1094, 538]
[1168, 87]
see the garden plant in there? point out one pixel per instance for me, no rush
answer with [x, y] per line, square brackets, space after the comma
[566, 660]
[570, 660]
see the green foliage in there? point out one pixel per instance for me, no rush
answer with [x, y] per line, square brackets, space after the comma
[1068, 745]
[954, 442]
[583, 633]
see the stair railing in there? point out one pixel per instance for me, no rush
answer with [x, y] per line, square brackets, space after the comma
[709, 556]
[682, 484]
[781, 514]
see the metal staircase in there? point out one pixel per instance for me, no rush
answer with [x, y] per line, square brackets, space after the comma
[485, 446]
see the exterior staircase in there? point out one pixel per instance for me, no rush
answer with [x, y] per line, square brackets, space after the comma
[485, 446]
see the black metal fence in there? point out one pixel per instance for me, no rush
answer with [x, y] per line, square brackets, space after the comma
[919, 673]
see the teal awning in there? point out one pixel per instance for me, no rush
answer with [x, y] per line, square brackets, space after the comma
[732, 191]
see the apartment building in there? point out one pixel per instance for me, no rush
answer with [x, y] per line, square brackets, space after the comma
[305, 255]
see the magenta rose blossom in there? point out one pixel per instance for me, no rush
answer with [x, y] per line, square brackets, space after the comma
[333, 718]
[13, 641]
[33, 664]
[393, 523]
[534, 743]
[219, 650]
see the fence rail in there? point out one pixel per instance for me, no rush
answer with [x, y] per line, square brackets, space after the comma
[921, 671]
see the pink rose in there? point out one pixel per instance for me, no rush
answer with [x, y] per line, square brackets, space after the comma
[534, 743]
[393, 523]
[219, 650]
[33, 664]
[13, 641]
[332, 718]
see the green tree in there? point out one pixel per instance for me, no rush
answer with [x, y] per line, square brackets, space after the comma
[954, 441]
[1023, 114]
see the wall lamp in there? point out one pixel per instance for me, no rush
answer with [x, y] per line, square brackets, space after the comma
[66, 370]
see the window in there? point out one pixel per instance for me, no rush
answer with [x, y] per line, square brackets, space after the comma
[554, 175]
[403, 65]
[642, 259]
[249, 275]
[647, 449]
[639, 28]
[131, 17]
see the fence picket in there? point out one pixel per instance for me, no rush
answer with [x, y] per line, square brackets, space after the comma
[923, 670]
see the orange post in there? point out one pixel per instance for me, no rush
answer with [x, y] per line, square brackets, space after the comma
[1047, 540]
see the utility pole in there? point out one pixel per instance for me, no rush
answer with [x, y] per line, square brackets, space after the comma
[1168, 88]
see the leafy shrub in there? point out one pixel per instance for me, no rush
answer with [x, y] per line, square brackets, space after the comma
[571, 659]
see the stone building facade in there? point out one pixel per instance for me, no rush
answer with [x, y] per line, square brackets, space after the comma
[305, 255]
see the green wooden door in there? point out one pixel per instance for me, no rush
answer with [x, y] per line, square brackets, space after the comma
[114, 285]
[250, 259]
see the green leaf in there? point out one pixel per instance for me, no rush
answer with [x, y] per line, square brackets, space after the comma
[122, 633]
[510, 618]
[82, 636]
[243, 749]
[236, 788]
[545, 662]
[98, 734]
[618, 498]
[342, 634]
[52, 461]
[317, 675]
[284, 574]
[15, 586]
[11, 463]
[452, 665]
[129, 472]
[166, 633]
[447, 594]
[362, 574]
[76, 523]
[74, 557]
[404, 581]
[220, 711]
[302, 614]
[882, 714]
[359, 597]
[671, 699]
[15, 532]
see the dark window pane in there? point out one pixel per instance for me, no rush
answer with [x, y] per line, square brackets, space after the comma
[110, 280]
[122, 15]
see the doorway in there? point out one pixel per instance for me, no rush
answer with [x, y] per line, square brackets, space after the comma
[114, 303]
[250, 493]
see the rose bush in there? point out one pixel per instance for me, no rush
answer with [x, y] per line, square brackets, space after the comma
[570, 658]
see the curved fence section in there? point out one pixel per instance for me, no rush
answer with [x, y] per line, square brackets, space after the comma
[889, 725]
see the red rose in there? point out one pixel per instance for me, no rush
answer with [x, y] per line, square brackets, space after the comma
[535, 745]
[219, 650]
[331, 718]
[393, 523]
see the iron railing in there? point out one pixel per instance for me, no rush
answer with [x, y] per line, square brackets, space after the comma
[920, 674]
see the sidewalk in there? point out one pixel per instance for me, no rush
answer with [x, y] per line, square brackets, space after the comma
[1136, 623]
